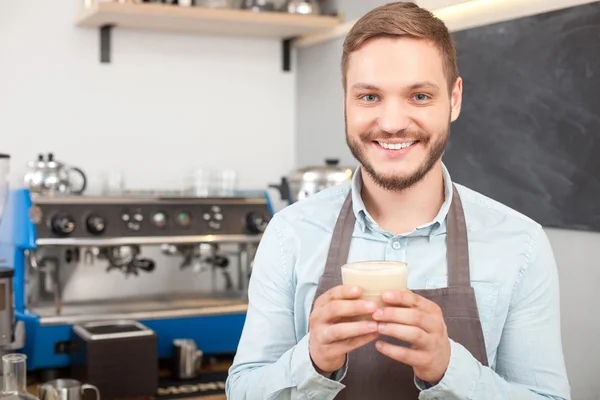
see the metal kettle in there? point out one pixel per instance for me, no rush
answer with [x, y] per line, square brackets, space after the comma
[307, 181]
[53, 177]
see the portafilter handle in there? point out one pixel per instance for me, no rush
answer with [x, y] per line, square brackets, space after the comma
[145, 264]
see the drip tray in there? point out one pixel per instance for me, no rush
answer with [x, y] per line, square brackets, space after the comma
[141, 308]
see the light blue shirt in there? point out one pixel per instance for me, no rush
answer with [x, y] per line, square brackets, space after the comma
[513, 273]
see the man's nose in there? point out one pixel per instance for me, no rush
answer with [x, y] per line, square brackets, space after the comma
[393, 117]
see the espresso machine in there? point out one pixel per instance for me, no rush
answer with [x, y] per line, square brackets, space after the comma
[176, 264]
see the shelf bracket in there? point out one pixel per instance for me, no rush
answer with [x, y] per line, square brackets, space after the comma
[287, 54]
[105, 36]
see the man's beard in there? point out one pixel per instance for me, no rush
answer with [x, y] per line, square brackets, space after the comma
[398, 183]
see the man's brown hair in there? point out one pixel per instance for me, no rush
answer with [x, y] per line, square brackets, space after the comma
[402, 19]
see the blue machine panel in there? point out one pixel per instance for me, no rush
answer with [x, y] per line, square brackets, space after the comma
[215, 334]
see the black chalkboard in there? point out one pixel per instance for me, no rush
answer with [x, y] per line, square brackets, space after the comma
[529, 130]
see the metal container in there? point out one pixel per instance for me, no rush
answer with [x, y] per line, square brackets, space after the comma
[65, 389]
[307, 181]
[7, 311]
[187, 359]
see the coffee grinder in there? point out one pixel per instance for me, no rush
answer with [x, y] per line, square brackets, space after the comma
[11, 336]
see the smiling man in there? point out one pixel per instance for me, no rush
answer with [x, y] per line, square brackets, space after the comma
[481, 317]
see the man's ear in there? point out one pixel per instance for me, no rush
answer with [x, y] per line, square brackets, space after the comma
[456, 99]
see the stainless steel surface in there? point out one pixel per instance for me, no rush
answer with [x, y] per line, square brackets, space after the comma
[65, 389]
[187, 359]
[161, 307]
[114, 329]
[156, 240]
[150, 199]
[12, 335]
[68, 275]
[7, 313]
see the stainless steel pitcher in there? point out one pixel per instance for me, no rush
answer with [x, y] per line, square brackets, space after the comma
[65, 389]
[187, 360]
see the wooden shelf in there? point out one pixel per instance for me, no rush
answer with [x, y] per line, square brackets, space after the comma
[198, 20]
[165, 17]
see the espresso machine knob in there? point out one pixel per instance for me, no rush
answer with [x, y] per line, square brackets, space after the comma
[256, 223]
[160, 219]
[95, 224]
[63, 224]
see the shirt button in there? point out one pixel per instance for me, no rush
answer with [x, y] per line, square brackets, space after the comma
[396, 245]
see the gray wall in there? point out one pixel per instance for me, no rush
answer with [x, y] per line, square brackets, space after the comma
[320, 135]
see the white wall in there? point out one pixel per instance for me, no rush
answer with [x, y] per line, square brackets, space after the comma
[166, 104]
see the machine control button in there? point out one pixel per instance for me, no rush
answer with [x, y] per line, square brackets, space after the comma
[219, 217]
[95, 224]
[159, 219]
[133, 226]
[216, 209]
[63, 225]
[125, 217]
[138, 217]
[214, 225]
[184, 219]
[206, 216]
[256, 223]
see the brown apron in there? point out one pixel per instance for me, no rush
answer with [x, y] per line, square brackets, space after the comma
[371, 375]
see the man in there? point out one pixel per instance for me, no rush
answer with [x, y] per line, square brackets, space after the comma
[481, 319]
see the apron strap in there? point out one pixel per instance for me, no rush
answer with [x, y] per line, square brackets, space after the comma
[340, 245]
[457, 243]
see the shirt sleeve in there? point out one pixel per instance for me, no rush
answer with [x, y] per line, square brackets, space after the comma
[271, 362]
[530, 362]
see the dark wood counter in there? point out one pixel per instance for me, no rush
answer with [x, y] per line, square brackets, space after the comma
[214, 367]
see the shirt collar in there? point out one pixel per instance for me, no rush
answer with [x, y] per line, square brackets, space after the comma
[366, 222]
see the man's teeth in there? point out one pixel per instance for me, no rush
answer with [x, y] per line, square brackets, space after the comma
[394, 146]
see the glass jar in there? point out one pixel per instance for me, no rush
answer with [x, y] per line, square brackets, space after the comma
[15, 378]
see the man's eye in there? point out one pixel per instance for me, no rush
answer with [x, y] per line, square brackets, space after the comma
[421, 97]
[369, 97]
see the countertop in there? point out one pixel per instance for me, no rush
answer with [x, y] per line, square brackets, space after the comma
[215, 367]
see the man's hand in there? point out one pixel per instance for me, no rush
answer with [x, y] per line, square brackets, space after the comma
[419, 321]
[333, 333]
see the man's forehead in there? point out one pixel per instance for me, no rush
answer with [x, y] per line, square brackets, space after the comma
[403, 57]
